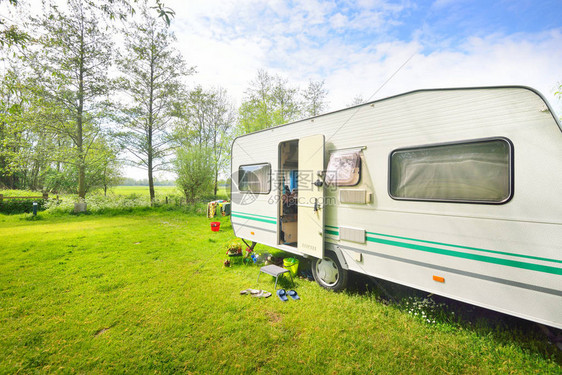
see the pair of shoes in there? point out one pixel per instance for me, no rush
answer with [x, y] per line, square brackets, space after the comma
[262, 294]
[258, 293]
[250, 291]
[283, 295]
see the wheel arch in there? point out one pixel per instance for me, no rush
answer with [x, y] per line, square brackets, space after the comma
[328, 247]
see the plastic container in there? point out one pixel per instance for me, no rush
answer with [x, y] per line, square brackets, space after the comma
[292, 264]
[215, 226]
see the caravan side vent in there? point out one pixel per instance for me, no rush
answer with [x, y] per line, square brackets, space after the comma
[352, 234]
[359, 196]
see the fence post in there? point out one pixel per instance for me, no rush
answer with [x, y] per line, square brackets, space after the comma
[45, 196]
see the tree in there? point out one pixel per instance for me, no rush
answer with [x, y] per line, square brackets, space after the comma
[285, 103]
[71, 79]
[195, 172]
[222, 121]
[314, 98]
[357, 100]
[153, 70]
[103, 169]
[12, 140]
[206, 122]
[11, 34]
[269, 101]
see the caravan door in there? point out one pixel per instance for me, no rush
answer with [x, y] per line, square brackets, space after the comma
[311, 196]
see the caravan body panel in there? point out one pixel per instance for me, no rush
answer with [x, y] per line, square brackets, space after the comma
[503, 254]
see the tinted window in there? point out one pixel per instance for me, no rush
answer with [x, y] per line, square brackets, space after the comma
[477, 171]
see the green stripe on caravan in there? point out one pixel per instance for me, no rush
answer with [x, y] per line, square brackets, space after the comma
[263, 219]
[481, 258]
[457, 254]
[469, 248]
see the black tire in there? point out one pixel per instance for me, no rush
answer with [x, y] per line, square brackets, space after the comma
[329, 273]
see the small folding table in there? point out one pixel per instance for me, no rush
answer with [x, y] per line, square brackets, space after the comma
[275, 271]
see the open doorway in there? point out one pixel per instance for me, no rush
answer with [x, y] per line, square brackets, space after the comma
[288, 209]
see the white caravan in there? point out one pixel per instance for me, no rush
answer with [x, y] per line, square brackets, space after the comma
[453, 191]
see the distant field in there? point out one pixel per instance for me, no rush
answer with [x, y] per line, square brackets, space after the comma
[143, 190]
[160, 191]
[20, 193]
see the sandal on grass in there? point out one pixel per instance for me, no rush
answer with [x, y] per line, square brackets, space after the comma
[262, 294]
[250, 291]
[282, 295]
[293, 294]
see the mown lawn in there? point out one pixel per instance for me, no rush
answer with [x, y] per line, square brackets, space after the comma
[147, 293]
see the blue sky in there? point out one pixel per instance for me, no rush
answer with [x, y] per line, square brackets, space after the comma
[355, 46]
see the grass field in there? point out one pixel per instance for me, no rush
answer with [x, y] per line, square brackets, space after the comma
[147, 293]
[160, 191]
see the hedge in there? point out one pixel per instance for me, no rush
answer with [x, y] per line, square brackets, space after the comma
[18, 206]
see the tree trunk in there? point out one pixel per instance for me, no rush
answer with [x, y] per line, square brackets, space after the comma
[150, 128]
[216, 180]
[79, 134]
[150, 182]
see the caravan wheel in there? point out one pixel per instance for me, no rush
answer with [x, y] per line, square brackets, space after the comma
[329, 273]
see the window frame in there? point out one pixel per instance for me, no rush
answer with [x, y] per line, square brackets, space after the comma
[360, 167]
[253, 165]
[511, 171]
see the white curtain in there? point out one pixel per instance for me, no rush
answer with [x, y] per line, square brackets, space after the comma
[468, 172]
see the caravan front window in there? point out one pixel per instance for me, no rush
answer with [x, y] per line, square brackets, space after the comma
[476, 172]
[255, 178]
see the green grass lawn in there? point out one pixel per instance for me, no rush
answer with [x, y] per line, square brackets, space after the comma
[148, 293]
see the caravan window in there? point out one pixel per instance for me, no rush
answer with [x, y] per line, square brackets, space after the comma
[255, 178]
[344, 168]
[478, 171]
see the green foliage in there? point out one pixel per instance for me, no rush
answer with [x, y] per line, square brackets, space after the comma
[195, 172]
[271, 101]
[206, 120]
[19, 206]
[148, 293]
[71, 84]
[152, 78]
[315, 98]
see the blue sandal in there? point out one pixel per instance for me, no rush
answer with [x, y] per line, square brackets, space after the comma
[293, 295]
[282, 295]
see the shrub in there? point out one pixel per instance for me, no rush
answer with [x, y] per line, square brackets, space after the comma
[19, 206]
[101, 205]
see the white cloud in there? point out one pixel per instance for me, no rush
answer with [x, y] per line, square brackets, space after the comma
[338, 21]
[509, 60]
[230, 40]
